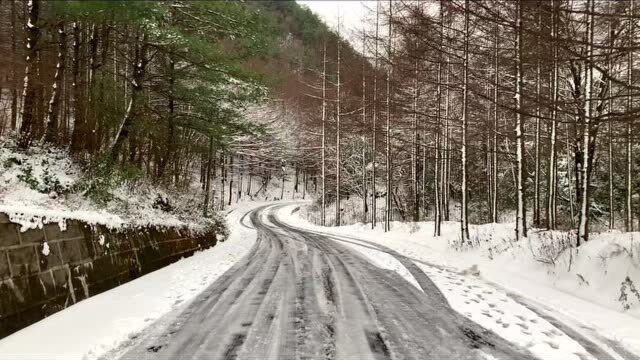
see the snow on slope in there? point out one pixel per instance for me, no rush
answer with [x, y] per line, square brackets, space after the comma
[44, 185]
[90, 328]
[589, 301]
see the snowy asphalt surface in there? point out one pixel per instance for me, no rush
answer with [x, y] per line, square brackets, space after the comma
[301, 295]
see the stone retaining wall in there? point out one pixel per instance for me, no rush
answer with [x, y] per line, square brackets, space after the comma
[43, 271]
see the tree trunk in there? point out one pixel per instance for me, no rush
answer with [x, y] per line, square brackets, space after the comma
[231, 179]
[14, 73]
[610, 125]
[323, 217]
[78, 135]
[365, 208]
[494, 152]
[338, 135]
[553, 167]
[30, 91]
[583, 216]
[90, 143]
[521, 219]
[536, 181]
[374, 139]
[464, 222]
[51, 132]
[207, 187]
[139, 69]
[414, 148]
[629, 155]
[388, 207]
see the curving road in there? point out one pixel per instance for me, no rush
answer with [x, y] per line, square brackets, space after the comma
[301, 295]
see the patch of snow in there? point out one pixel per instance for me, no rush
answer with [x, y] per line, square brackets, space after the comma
[45, 249]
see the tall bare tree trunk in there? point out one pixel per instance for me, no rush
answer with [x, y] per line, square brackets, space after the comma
[610, 124]
[521, 219]
[437, 183]
[30, 91]
[388, 204]
[536, 180]
[494, 152]
[365, 208]
[629, 158]
[207, 187]
[464, 220]
[583, 217]
[374, 139]
[77, 135]
[414, 148]
[231, 179]
[139, 69]
[338, 200]
[553, 162]
[324, 125]
[51, 132]
[446, 171]
[14, 73]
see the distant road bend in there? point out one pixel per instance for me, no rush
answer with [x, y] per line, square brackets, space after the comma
[301, 295]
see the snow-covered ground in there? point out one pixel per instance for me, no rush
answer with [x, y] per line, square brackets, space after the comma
[511, 288]
[45, 185]
[94, 326]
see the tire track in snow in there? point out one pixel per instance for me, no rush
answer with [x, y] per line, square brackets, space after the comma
[304, 296]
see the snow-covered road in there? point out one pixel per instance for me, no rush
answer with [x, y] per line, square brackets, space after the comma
[303, 295]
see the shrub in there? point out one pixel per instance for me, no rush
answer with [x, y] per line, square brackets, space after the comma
[627, 288]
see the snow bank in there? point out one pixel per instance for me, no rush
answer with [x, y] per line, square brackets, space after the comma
[585, 286]
[44, 185]
[94, 326]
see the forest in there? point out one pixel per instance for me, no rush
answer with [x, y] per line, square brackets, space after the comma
[446, 179]
[488, 111]
[470, 111]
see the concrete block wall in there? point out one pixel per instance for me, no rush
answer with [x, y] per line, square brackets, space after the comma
[82, 261]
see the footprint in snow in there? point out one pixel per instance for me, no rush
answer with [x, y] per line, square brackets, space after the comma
[553, 344]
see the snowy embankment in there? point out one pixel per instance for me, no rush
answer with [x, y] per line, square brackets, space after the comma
[514, 288]
[94, 326]
[45, 185]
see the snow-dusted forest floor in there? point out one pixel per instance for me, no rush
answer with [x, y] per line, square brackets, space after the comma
[45, 185]
[591, 289]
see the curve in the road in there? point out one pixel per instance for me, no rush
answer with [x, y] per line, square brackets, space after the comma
[300, 295]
